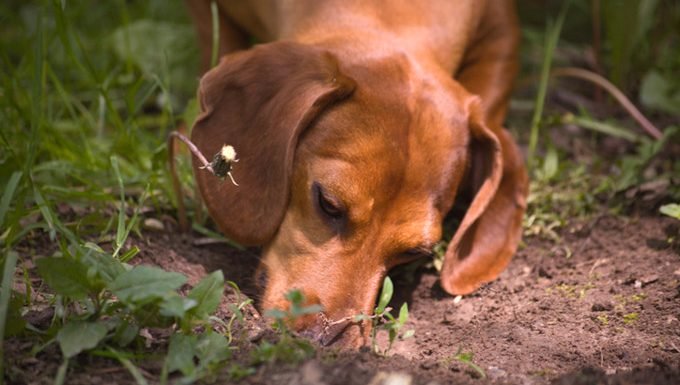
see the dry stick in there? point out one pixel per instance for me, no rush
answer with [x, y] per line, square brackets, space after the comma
[613, 91]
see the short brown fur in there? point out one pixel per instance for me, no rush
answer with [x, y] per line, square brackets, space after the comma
[379, 113]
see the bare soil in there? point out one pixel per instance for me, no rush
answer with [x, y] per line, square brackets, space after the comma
[602, 306]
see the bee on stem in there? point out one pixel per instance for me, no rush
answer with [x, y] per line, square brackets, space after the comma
[223, 163]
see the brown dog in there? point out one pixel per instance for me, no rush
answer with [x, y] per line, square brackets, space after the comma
[357, 124]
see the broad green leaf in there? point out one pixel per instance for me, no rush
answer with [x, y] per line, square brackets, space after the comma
[671, 209]
[385, 295]
[208, 294]
[176, 306]
[181, 354]
[65, 276]
[660, 93]
[403, 314]
[125, 333]
[101, 264]
[550, 164]
[212, 348]
[145, 283]
[78, 336]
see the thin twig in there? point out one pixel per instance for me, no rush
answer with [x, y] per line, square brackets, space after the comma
[194, 150]
[614, 92]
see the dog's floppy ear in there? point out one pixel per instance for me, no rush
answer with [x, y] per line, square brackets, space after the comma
[491, 229]
[259, 101]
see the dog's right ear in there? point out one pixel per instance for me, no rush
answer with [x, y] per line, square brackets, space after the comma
[259, 101]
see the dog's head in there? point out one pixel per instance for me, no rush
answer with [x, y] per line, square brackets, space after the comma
[347, 171]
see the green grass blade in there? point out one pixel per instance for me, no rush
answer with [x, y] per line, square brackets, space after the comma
[134, 371]
[8, 194]
[45, 211]
[53, 222]
[215, 33]
[120, 230]
[601, 127]
[552, 37]
[5, 293]
[37, 88]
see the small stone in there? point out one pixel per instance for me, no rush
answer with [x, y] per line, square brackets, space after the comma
[391, 378]
[311, 373]
[153, 224]
[649, 279]
[494, 372]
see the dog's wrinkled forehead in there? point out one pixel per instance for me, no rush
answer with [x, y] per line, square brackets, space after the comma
[403, 129]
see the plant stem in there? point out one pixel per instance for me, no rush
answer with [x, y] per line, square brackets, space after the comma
[605, 84]
[181, 210]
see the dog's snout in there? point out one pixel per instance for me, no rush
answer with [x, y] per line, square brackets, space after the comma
[323, 330]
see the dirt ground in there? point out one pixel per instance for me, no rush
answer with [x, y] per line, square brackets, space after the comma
[600, 307]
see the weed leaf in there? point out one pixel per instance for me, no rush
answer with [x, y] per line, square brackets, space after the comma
[78, 336]
[65, 276]
[145, 283]
[403, 314]
[181, 354]
[176, 306]
[103, 265]
[207, 294]
[671, 209]
[385, 295]
[551, 163]
[212, 348]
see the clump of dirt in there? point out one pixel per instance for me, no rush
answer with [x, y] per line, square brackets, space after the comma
[602, 306]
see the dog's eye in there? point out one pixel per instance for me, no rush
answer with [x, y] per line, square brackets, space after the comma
[327, 203]
[417, 252]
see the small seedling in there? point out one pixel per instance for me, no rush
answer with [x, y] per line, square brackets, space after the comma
[466, 358]
[236, 310]
[289, 348]
[383, 319]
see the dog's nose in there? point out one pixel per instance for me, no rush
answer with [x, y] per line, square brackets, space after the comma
[321, 329]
